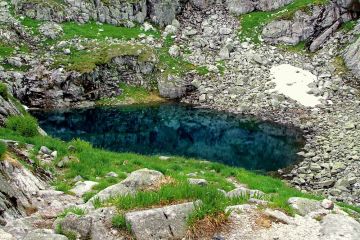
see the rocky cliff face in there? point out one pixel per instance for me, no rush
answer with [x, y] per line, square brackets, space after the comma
[7, 108]
[314, 26]
[112, 12]
[44, 88]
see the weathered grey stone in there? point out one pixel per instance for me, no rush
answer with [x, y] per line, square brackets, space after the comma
[160, 223]
[339, 227]
[268, 5]
[5, 236]
[245, 192]
[81, 188]
[44, 234]
[239, 7]
[78, 225]
[278, 216]
[51, 30]
[198, 181]
[136, 180]
[304, 206]
[351, 56]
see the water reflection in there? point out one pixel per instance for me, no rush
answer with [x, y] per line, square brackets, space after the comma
[173, 129]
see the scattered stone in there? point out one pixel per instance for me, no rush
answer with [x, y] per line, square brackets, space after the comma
[83, 187]
[244, 192]
[327, 204]
[44, 234]
[112, 175]
[197, 181]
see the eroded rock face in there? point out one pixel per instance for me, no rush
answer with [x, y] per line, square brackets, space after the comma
[16, 186]
[95, 225]
[316, 27]
[161, 12]
[239, 7]
[44, 88]
[7, 108]
[352, 56]
[160, 223]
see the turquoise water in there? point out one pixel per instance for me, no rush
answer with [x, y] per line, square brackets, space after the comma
[174, 129]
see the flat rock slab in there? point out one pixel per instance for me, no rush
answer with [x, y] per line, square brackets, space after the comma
[304, 206]
[339, 227]
[137, 180]
[44, 234]
[160, 223]
[83, 187]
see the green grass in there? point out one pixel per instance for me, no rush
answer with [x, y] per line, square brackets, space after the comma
[252, 23]
[6, 50]
[119, 222]
[3, 149]
[173, 65]
[132, 95]
[24, 125]
[4, 91]
[92, 30]
[348, 26]
[96, 54]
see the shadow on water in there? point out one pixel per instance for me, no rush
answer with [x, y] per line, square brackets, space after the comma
[175, 129]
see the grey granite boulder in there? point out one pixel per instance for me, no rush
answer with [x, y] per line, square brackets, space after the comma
[81, 188]
[304, 206]
[268, 5]
[95, 225]
[137, 180]
[160, 223]
[51, 30]
[239, 7]
[245, 192]
[352, 56]
[44, 234]
[337, 226]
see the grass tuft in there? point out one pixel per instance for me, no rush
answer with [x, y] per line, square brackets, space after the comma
[26, 125]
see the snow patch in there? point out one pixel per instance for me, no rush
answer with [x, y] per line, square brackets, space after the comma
[293, 82]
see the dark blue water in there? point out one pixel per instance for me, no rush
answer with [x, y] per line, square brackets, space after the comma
[174, 129]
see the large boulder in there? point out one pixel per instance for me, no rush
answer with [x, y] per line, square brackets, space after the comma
[5, 236]
[137, 180]
[51, 30]
[160, 223]
[268, 5]
[95, 225]
[239, 7]
[337, 226]
[163, 12]
[304, 206]
[7, 108]
[202, 4]
[44, 234]
[352, 56]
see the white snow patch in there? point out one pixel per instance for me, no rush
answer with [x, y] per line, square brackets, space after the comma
[293, 82]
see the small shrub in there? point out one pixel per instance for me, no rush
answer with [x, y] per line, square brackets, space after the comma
[4, 91]
[26, 125]
[2, 150]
